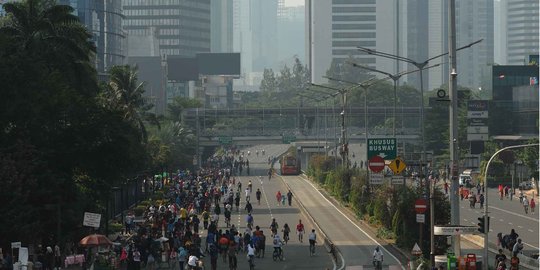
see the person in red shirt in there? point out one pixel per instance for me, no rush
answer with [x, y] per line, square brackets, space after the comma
[532, 204]
[300, 230]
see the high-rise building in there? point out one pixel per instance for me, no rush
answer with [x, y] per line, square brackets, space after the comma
[290, 34]
[221, 26]
[103, 18]
[183, 26]
[522, 34]
[499, 32]
[335, 28]
[474, 21]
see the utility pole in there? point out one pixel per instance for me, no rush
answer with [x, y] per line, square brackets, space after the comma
[454, 158]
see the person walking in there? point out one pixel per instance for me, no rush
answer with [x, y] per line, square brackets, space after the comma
[526, 204]
[278, 197]
[481, 200]
[532, 204]
[289, 197]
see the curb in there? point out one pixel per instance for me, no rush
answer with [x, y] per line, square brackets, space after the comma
[329, 246]
[398, 252]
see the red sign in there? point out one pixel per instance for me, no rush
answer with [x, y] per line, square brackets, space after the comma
[376, 164]
[420, 206]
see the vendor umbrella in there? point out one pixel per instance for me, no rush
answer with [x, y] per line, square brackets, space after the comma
[95, 240]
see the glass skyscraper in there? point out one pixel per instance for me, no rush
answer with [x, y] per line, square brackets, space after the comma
[103, 18]
[182, 27]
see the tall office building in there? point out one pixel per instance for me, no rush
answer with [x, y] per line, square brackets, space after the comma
[522, 35]
[499, 32]
[182, 26]
[221, 29]
[255, 33]
[335, 28]
[290, 34]
[103, 18]
[474, 21]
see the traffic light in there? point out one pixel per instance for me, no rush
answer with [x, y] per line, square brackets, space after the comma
[481, 224]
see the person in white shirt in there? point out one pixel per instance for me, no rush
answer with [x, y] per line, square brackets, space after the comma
[377, 258]
[251, 253]
[277, 243]
[192, 262]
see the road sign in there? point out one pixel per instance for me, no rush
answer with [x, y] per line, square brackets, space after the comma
[287, 139]
[420, 206]
[454, 230]
[416, 250]
[15, 245]
[383, 147]
[397, 165]
[376, 179]
[91, 219]
[398, 180]
[420, 218]
[225, 140]
[376, 164]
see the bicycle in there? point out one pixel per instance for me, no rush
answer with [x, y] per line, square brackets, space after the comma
[286, 237]
[250, 262]
[312, 247]
[277, 254]
[228, 222]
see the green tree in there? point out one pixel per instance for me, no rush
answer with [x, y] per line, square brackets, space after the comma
[179, 104]
[126, 94]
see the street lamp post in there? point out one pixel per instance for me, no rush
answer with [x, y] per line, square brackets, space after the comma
[486, 218]
[421, 66]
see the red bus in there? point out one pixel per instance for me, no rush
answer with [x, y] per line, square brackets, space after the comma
[289, 165]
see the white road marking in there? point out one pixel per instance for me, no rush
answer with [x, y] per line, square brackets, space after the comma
[358, 227]
[530, 230]
[514, 213]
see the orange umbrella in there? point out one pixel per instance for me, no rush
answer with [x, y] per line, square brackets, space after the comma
[95, 240]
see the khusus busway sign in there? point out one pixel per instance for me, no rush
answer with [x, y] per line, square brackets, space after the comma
[385, 148]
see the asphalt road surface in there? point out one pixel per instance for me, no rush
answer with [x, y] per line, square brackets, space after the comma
[505, 215]
[296, 254]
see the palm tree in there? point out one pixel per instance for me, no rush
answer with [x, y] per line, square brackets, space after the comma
[125, 94]
[35, 23]
[41, 29]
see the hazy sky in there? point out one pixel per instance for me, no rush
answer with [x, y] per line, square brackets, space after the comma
[292, 3]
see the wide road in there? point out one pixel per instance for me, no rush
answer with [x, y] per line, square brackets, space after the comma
[355, 245]
[296, 254]
[505, 215]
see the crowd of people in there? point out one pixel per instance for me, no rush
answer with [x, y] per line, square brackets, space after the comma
[193, 205]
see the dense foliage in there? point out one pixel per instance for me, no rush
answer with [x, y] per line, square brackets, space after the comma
[389, 208]
[65, 138]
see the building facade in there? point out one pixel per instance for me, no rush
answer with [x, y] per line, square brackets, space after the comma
[522, 30]
[221, 26]
[183, 26]
[103, 18]
[474, 21]
[513, 110]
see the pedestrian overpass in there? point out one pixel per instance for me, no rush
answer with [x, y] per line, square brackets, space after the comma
[253, 126]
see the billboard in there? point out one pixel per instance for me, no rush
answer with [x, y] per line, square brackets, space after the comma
[182, 69]
[219, 64]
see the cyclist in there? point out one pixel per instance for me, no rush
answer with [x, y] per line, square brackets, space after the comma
[251, 255]
[274, 227]
[286, 230]
[278, 245]
[312, 240]
[300, 230]
[250, 185]
[377, 258]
